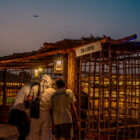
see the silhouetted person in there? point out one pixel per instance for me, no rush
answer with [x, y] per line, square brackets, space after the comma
[62, 104]
[22, 124]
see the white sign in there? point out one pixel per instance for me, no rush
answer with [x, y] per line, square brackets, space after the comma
[89, 48]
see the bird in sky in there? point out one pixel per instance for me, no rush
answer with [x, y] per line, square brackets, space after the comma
[35, 16]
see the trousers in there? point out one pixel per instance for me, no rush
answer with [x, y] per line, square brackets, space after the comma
[40, 128]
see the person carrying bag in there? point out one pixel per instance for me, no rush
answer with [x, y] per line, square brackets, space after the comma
[35, 106]
[18, 115]
[40, 108]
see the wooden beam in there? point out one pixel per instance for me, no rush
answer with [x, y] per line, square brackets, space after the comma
[33, 56]
[71, 70]
[23, 67]
[36, 56]
[64, 51]
[123, 40]
[65, 71]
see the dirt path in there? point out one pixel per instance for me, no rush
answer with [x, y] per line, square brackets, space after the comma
[8, 132]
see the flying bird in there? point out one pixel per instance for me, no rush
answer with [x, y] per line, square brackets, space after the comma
[35, 16]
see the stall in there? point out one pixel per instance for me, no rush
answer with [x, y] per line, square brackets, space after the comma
[107, 72]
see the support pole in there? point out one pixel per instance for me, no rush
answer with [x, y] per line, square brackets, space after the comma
[65, 73]
[71, 71]
[4, 87]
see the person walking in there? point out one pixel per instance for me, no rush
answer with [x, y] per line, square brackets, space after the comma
[22, 120]
[62, 107]
[40, 127]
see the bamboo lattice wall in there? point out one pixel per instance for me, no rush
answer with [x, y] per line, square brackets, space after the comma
[112, 84]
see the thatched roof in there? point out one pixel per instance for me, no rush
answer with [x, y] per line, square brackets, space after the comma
[42, 56]
[45, 54]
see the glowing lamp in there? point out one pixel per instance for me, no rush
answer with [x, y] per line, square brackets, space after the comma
[58, 64]
[40, 69]
[36, 73]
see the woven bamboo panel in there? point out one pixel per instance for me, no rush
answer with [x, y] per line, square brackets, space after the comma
[112, 84]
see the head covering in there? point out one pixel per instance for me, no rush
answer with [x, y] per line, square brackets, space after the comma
[46, 82]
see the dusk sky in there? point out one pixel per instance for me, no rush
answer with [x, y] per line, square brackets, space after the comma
[26, 24]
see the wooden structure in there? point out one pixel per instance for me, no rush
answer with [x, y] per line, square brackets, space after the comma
[110, 77]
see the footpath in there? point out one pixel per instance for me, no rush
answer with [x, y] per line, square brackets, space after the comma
[8, 132]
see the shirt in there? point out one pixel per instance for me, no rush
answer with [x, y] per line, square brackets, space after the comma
[21, 97]
[61, 101]
[45, 97]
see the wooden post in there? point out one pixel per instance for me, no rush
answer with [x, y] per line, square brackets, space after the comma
[65, 72]
[71, 71]
[4, 87]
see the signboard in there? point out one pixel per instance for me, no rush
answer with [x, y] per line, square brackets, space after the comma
[89, 48]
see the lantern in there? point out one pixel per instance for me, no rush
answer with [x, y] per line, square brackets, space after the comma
[58, 64]
[37, 72]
